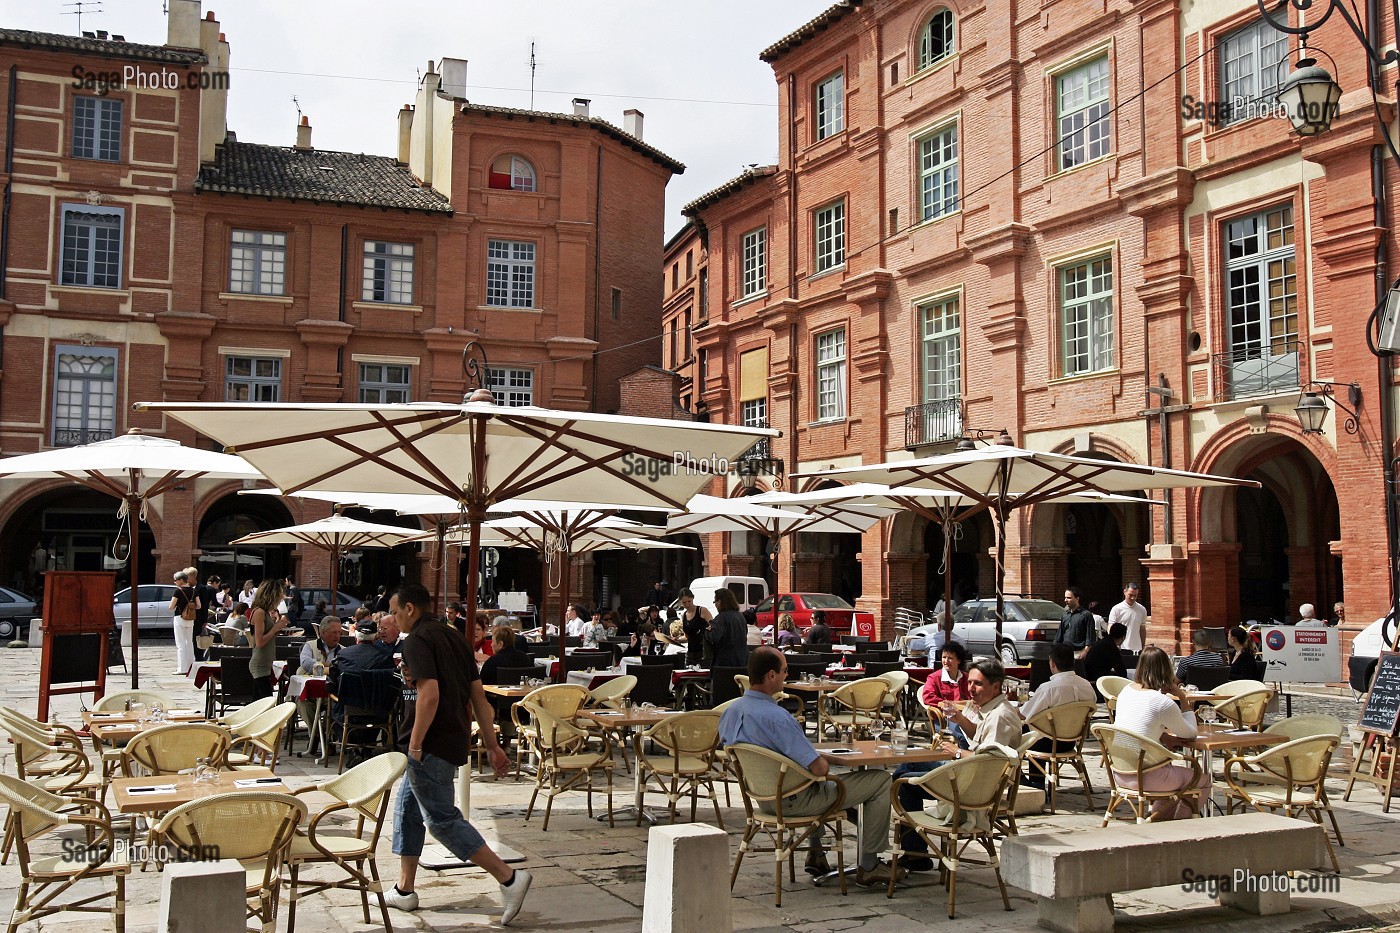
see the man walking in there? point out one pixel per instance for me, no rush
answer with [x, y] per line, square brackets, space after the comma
[1133, 615]
[1077, 624]
[438, 728]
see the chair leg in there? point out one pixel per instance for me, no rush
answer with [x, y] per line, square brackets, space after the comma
[292, 899]
[379, 893]
[119, 907]
[950, 851]
[996, 868]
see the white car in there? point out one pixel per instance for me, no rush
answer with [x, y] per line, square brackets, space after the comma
[1027, 632]
[1366, 650]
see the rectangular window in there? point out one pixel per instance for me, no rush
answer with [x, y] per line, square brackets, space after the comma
[831, 375]
[616, 303]
[942, 356]
[252, 379]
[1262, 298]
[1086, 316]
[513, 387]
[704, 293]
[755, 271]
[831, 106]
[92, 246]
[84, 395]
[938, 173]
[384, 383]
[510, 274]
[1081, 112]
[97, 129]
[388, 272]
[689, 264]
[258, 263]
[686, 338]
[830, 224]
[1250, 70]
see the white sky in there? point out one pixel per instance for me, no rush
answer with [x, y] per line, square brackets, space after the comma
[692, 68]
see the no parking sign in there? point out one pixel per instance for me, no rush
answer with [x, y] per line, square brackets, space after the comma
[1302, 655]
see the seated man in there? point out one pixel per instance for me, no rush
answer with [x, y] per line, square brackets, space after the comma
[360, 660]
[386, 634]
[1203, 657]
[757, 719]
[994, 722]
[1064, 686]
[323, 649]
[1105, 656]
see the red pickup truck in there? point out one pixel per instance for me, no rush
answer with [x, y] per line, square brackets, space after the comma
[841, 617]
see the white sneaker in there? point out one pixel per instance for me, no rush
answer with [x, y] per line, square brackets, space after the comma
[408, 901]
[513, 895]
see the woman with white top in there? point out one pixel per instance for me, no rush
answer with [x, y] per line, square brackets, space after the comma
[1154, 704]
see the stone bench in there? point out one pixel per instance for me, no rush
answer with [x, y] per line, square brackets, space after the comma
[1074, 875]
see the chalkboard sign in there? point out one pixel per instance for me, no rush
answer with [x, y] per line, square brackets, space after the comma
[1382, 712]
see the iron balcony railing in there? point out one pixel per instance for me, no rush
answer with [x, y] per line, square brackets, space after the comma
[932, 422]
[1256, 370]
[75, 437]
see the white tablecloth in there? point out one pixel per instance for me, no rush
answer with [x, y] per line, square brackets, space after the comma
[297, 686]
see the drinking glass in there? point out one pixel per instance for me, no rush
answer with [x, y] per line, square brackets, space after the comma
[1023, 693]
[899, 738]
[138, 710]
[157, 713]
[1208, 714]
[205, 772]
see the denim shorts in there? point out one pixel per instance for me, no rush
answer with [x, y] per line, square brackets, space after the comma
[427, 795]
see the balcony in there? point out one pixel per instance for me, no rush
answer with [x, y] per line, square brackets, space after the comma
[932, 422]
[1254, 371]
[74, 437]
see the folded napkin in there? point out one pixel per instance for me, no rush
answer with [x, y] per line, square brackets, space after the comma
[153, 789]
[257, 782]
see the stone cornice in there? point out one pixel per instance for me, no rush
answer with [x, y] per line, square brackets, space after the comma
[1172, 188]
[870, 287]
[1008, 241]
[194, 324]
[327, 333]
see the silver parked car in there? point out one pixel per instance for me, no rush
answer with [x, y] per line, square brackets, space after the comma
[153, 606]
[16, 609]
[1027, 632]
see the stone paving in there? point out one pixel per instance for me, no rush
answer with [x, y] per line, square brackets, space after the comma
[591, 877]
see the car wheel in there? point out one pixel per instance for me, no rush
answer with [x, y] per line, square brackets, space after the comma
[8, 629]
[1009, 658]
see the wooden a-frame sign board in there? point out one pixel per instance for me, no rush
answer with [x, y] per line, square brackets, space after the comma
[1375, 762]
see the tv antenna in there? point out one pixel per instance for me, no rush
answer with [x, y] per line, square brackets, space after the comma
[532, 75]
[93, 6]
[297, 104]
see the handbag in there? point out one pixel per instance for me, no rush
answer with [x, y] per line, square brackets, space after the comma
[190, 611]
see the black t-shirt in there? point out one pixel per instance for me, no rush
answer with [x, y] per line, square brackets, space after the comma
[207, 594]
[434, 651]
[510, 657]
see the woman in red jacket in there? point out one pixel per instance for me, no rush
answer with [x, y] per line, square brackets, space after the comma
[948, 682]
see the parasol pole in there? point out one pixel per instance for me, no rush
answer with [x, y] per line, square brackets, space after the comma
[133, 511]
[567, 557]
[335, 580]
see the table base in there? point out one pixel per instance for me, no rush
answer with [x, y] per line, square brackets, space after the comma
[437, 857]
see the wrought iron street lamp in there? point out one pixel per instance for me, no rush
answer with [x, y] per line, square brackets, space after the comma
[1312, 407]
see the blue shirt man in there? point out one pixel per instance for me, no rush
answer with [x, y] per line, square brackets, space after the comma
[757, 719]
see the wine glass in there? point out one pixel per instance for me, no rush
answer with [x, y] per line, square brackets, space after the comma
[138, 710]
[1208, 714]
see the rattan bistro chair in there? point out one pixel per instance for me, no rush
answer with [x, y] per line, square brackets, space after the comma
[766, 780]
[117, 702]
[174, 748]
[38, 814]
[688, 742]
[1291, 777]
[566, 761]
[857, 707]
[1246, 709]
[255, 828]
[1066, 724]
[245, 714]
[363, 793]
[1129, 753]
[969, 793]
[257, 741]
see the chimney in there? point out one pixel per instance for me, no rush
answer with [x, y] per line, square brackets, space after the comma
[182, 24]
[304, 133]
[454, 77]
[632, 122]
[581, 107]
[213, 102]
[102, 34]
[405, 132]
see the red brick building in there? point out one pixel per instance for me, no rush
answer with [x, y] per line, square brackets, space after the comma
[981, 220]
[150, 254]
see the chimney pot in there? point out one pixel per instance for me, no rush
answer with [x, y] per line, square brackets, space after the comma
[304, 133]
[454, 77]
[632, 122]
[581, 107]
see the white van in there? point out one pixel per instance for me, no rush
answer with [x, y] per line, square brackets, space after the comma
[749, 591]
[1366, 649]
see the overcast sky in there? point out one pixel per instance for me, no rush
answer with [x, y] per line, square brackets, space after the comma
[692, 68]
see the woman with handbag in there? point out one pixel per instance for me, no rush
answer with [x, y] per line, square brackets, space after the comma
[185, 606]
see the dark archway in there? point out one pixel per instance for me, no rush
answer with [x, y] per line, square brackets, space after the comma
[968, 544]
[76, 529]
[1262, 532]
[1095, 545]
[234, 516]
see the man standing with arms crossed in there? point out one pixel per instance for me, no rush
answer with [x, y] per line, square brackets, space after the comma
[443, 668]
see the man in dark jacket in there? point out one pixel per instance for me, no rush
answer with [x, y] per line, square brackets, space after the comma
[820, 632]
[1106, 656]
[1077, 624]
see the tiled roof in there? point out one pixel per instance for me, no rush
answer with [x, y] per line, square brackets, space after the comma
[729, 187]
[599, 124]
[317, 175]
[793, 39]
[110, 48]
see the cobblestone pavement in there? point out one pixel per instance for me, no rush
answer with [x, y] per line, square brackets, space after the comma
[590, 877]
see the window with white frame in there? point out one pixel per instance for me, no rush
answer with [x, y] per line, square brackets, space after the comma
[258, 263]
[938, 173]
[1086, 315]
[1250, 70]
[942, 357]
[252, 379]
[1081, 113]
[755, 259]
[831, 106]
[388, 272]
[84, 395]
[829, 226]
[513, 387]
[936, 38]
[97, 128]
[511, 173]
[1262, 284]
[754, 413]
[92, 246]
[385, 383]
[831, 375]
[510, 274]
